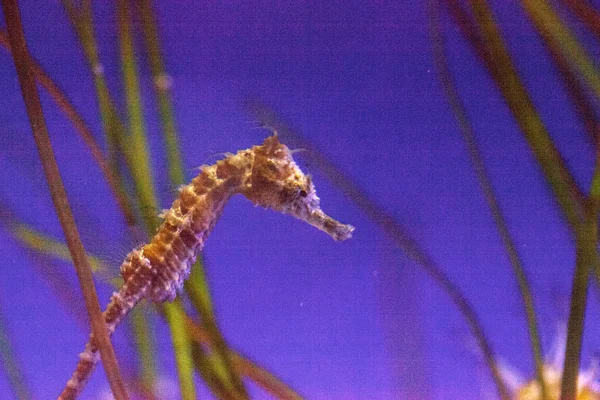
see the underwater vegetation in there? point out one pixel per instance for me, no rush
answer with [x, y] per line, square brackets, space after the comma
[460, 138]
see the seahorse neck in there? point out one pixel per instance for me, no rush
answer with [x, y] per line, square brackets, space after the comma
[187, 224]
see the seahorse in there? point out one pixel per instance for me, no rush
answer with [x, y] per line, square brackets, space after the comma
[265, 174]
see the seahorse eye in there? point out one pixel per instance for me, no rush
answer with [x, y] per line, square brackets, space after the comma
[303, 193]
[272, 167]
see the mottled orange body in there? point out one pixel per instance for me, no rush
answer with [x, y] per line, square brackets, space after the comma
[266, 175]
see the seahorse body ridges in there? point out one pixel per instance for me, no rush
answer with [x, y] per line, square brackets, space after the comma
[266, 174]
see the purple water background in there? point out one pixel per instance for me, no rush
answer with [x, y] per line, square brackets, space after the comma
[353, 320]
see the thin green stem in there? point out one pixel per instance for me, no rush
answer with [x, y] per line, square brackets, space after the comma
[162, 90]
[143, 181]
[59, 195]
[137, 148]
[183, 354]
[586, 259]
[41, 243]
[548, 22]
[211, 376]
[460, 113]
[574, 88]
[144, 345]
[115, 132]
[83, 23]
[243, 366]
[586, 256]
[197, 289]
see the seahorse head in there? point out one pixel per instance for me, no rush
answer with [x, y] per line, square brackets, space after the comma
[277, 182]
